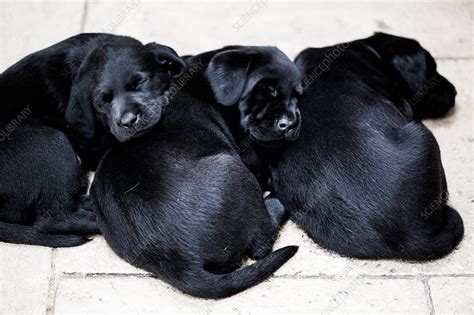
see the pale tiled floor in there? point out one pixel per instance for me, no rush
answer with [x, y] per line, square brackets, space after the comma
[92, 279]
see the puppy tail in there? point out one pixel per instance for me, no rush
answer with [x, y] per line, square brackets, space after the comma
[209, 285]
[24, 234]
[439, 243]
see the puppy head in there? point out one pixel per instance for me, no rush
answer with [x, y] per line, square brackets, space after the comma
[264, 84]
[414, 69]
[121, 87]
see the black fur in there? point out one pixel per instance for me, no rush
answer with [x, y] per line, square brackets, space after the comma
[179, 202]
[266, 117]
[52, 108]
[365, 178]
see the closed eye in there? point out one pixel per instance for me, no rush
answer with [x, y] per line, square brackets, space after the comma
[136, 83]
[271, 90]
[107, 97]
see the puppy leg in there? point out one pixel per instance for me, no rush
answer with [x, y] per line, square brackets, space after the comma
[79, 222]
[276, 210]
[71, 212]
[83, 221]
[268, 232]
[41, 185]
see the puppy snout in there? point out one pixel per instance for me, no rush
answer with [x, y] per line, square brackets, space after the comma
[285, 123]
[129, 120]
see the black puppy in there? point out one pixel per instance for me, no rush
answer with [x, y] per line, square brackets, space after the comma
[74, 97]
[365, 178]
[95, 87]
[179, 202]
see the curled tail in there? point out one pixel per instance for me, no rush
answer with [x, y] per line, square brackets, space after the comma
[439, 243]
[25, 234]
[204, 284]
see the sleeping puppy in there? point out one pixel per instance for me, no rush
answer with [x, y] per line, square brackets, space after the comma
[179, 202]
[97, 88]
[77, 97]
[365, 178]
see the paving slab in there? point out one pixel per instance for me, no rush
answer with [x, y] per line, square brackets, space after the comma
[24, 278]
[30, 25]
[307, 295]
[93, 257]
[452, 295]
[196, 26]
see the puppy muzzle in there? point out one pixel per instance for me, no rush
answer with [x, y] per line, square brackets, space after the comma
[289, 126]
[133, 126]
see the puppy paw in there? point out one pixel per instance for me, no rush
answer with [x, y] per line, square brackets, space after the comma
[86, 203]
[275, 209]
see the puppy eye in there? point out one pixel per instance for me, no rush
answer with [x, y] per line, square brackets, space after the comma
[107, 97]
[168, 63]
[170, 66]
[136, 84]
[271, 90]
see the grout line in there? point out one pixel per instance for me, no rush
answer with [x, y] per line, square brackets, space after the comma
[429, 300]
[453, 58]
[417, 276]
[320, 276]
[371, 276]
[85, 11]
[52, 285]
[77, 275]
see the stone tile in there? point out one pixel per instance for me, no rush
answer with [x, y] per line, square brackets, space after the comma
[338, 296]
[452, 295]
[455, 133]
[205, 25]
[93, 257]
[301, 295]
[30, 25]
[312, 260]
[24, 278]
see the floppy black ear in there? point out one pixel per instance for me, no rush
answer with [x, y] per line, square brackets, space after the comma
[227, 74]
[167, 57]
[411, 68]
[405, 58]
[79, 112]
[415, 75]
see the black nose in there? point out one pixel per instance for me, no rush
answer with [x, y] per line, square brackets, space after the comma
[129, 119]
[285, 123]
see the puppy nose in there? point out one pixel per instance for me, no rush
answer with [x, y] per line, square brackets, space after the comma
[129, 119]
[285, 123]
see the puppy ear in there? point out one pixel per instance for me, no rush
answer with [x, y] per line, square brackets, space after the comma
[227, 73]
[167, 57]
[414, 72]
[79, 111]
[406, 59]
